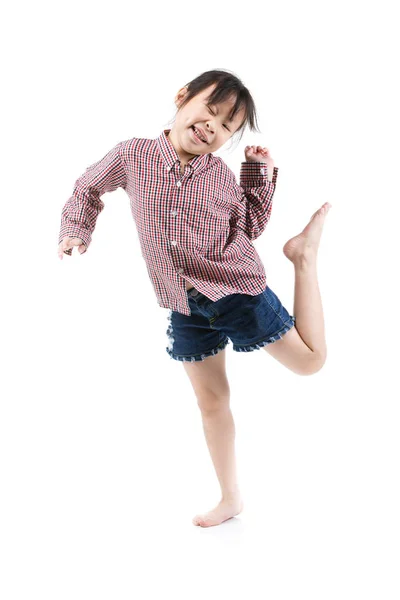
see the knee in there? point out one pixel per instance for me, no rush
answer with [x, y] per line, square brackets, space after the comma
[210, 402]
[315, 364]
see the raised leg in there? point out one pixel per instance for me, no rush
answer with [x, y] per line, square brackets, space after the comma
[308, 305]
[303, 349]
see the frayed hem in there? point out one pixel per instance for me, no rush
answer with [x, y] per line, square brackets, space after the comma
[169, 332]
[270, 340]
[198, 357]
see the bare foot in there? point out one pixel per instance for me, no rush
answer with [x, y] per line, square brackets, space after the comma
[224, 511]
[307, 242]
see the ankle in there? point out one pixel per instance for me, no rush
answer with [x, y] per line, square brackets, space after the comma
[233, 495]
[306, 260]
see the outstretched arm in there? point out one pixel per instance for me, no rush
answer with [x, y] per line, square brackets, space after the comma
[80, 212]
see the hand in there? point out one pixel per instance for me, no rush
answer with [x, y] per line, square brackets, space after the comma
[70, 242]
[259, 154]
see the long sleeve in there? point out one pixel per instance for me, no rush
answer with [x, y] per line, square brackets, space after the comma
[252, 204]
[80, 212]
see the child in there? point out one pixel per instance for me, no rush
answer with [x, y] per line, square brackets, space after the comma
[196, 226]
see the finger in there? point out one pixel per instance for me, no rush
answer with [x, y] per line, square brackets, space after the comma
[62, 252]
[67, 246]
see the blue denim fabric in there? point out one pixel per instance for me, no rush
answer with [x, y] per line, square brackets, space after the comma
[250, 322]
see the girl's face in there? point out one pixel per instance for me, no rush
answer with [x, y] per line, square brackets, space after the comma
[212, 121]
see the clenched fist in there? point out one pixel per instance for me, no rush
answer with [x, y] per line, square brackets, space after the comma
[68, 243]
[259, 154]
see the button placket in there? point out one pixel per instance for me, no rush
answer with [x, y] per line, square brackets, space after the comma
[174, 213]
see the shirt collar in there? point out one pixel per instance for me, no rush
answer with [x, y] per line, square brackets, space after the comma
[170, 155]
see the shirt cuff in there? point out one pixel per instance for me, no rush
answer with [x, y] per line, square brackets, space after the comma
[255, 174]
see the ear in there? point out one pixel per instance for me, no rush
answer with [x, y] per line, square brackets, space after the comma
[180, 96]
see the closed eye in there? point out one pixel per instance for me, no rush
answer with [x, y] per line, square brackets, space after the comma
[213, 115]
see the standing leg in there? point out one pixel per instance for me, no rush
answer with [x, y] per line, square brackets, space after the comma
[211, 386]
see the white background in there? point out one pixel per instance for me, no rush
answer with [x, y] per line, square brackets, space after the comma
[103, 461]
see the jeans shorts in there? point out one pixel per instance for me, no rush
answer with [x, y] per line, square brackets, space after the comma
[250, 322]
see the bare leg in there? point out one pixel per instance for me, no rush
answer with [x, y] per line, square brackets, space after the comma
[302, 251]
[211, 386]
[219, 431]
[308, 305]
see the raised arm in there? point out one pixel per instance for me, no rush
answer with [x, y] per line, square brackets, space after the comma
[252, 205]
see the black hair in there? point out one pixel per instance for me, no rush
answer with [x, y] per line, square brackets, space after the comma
[227, 86]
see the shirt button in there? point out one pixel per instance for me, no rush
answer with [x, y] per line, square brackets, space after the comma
[180, 270]
[174, 212]
[263, 171]
[178, 184]
[168, 168]
[174, 242]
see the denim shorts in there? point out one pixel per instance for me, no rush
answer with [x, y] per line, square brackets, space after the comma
[250, 322]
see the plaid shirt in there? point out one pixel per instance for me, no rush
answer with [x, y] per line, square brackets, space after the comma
[196, 227]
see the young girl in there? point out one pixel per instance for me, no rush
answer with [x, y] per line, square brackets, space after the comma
[196, 225]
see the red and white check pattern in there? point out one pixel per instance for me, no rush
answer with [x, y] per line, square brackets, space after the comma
[196, 227]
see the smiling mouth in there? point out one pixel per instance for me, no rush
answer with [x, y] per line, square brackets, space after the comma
[197, 137]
